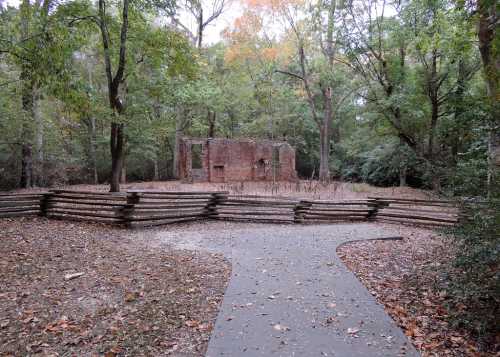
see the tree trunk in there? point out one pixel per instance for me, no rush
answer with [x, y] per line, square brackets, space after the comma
[324, 161]
[402, 175]
[123, 175]
[211, 123]
[30, 81]
[92, 135]
[26, 79]
[458, 98]
[324, 130]
[179, 132]
[403, 169]
[336, 131]
[26, 165]
[200, 29]
[330, 48]
[117, 156]
[169, 162]
[115, 83]
[27, 133]
[92, 159]
[156, 175]
[404, 141]
[490, 56]
[432, 93]
[324, 150]
[39, 127]
[432, 128]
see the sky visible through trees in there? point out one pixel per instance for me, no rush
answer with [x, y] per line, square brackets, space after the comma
[389, 93]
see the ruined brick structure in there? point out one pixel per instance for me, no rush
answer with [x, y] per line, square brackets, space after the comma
[225, 160]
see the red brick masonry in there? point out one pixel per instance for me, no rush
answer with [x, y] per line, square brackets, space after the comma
[225, 160]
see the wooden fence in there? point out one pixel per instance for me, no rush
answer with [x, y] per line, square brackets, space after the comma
[150, 208]
[319, 211]
[405, 210]
[251, 208]
[21, 204]
[85, 206]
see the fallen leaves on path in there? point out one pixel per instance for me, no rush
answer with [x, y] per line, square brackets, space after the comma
[87, 289]
[408, 278]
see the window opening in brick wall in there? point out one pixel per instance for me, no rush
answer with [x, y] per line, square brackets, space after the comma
[196, 156]
[219, 171]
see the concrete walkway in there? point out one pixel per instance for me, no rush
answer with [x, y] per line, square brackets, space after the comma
[290, 295]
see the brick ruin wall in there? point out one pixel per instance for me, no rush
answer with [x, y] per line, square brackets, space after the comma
[226, 160]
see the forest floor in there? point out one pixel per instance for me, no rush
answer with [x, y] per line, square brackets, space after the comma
[90, 290]
[408, 277]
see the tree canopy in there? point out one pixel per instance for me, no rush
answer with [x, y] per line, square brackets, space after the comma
[389, 93]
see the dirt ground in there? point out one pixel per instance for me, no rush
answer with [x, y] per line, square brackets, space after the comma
[408, 278]
[86, 290]
[301, 189]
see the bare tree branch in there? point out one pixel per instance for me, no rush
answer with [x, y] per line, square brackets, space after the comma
[289, 74]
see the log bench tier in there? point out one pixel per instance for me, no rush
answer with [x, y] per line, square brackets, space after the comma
[147, 208]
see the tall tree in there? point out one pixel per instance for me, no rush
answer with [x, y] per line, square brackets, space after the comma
[40, 46]
[34, 21]
[322, 113]
[489, 46]
[377, 51]
[444, 59]
[116, 89]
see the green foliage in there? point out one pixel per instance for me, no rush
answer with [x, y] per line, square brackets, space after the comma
[477, 286]
[237, 81]
[382, 78]
[380, 166]
[469, 176]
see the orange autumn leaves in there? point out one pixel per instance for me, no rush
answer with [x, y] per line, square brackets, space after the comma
[242, 52]
[245, 28]
[248, 42]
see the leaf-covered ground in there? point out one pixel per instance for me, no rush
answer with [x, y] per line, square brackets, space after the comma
[87, 290]
[409, 278]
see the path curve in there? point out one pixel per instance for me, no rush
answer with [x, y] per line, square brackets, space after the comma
[290, 294]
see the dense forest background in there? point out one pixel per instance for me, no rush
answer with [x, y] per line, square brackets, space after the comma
[384, 92]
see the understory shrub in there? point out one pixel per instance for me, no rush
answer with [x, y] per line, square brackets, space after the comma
[468, 177]
[381, 166]
[476, 289]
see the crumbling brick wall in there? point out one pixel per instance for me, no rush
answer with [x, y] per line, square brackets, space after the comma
[226, 160]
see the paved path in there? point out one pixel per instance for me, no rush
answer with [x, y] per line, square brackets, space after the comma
[290, 295]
